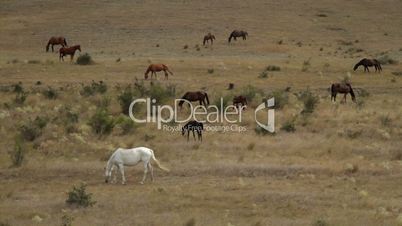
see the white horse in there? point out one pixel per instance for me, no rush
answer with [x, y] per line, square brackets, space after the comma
[131, 157]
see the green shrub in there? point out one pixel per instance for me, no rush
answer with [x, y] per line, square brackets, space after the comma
[66, 220]
[84, 59]
[125, 98]
[17, 155]
[104, 102]
[126, 124]
[20, 98]
[306, 65]
[289, 126]
[263, 74]
[281, 98]
[79, 197]
[363, 93]
[17, 88]
[50, 93]
[249, 92]
[95, 87]
[211, 71]
[385, 120]
[33, 129]
[261, 131]
[272, 68]
[101, 122]
[320, 222]
[309, 100]
[160, 93]
[69, 119]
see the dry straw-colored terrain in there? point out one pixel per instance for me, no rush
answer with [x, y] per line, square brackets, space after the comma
[327, 164]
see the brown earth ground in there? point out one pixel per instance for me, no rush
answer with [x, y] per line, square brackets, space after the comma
[342, 165]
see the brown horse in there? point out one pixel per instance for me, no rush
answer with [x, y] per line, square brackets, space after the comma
[68, 51]
[236, 33]
[56, 41]
[200, 96]
[240, 102]
[209, 37]
[193, 126]
[368, 63]
[344, 88]
[153, 68]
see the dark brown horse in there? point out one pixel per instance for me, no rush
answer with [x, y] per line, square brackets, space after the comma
[193, 126]
[153, 68]
[344, 88]
[368, 63]
[56, 41]
[236, 33]
[209, 37]
[200, 96]
[68, 51]
[240, 102]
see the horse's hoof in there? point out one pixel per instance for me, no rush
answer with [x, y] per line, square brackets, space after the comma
[142, 182]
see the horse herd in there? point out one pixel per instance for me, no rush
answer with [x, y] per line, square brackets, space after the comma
[129, 157]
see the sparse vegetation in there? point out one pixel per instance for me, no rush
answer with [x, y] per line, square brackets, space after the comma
[281, 98]
[386, 59]
[79, 197]
[273, 68]
[309, 100]
[211, 71]
[50, 93]
[84, 59]
[17, 155]
[125, 98]
[101, 122]
[33, 129]
[289, 126]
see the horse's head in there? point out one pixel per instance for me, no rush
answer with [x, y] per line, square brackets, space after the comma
[146, 76]
[356, 66]
[79, 48]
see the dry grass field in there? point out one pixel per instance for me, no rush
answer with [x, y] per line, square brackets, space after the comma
[342, 164]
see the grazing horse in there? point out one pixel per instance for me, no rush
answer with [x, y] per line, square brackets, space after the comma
[344, 88]
[236, 33]
[195, 96]
[153, 68]
[368, 63]
[68, 51]
[240, 102]
[131, 157]
[208, 37]
[56, 41]
[195, 127]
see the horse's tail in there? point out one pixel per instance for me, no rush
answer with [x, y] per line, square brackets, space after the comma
[158, 163]
[65, 41]
[351, 92]
[206, 97]
[167, 69]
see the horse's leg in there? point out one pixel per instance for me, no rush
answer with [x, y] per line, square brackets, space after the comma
[193, 134]
[145, 172]
[344, 97]
[114, 180]
[52, 48]
[152, 171]
[188, 134]
[123, 178]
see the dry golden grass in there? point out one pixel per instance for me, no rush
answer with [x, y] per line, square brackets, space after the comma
[341, 165]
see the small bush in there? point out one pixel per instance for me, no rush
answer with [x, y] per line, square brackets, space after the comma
[125, 99]
[104, 102]
[20, 98]
[17, 155]
[289, 126]
[79, 197]
[84, 59]
[363, 93]
[160, 93]
[306, 65]
[33, 129]
[281, 99]
[95, 87]
[385, 120]
[249, 92]
[226, 101]
[261, 131]
[210, 71]
[126, 124]
[101, 122]
[320, 222]
[397, 73]
[17, 88]
[273, 68]
[33, 62]
[66, 220]
[263, 74]
[50, 93]
[309, 100]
